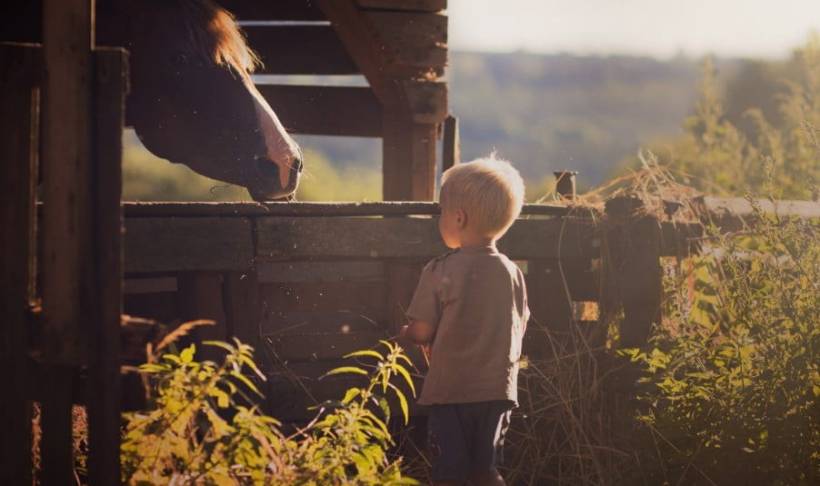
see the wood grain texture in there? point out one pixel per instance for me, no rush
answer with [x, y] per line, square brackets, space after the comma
[407, 238]
[300, 49]
[273, 9]
[103, 327]
[20, 67]
[187, 244]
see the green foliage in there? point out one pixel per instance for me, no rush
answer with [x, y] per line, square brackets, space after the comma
[733, 375]
[202, 430]
[724, 156]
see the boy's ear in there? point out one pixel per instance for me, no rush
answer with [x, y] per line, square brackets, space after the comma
[461, 218]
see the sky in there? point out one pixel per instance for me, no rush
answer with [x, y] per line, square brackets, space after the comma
[659, 28]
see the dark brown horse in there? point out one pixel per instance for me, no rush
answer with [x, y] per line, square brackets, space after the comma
[192, 100]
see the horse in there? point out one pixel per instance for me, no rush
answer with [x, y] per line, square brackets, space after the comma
[192, 99]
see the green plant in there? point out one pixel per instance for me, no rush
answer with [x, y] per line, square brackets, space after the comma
[732, 375]
[204, 430]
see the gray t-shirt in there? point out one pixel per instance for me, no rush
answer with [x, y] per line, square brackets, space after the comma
[477, 301]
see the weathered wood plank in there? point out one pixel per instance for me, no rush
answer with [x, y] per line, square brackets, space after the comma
[419, 40]
[66, 224]
[408, 238]
[325, 110]
[187, 244]
[277, 322]
[365, 298]
[451, 144]
[408, 158]
[243, 307]
[633, 271]
[318, 346]
[410, 5]
[19, 72]
[200, 297]
[318, 272]
[387, 208]
[300, 49]
[366, 46]
[273, 9]
[110, 83]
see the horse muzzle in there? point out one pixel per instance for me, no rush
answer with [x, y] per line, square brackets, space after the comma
[268, 185]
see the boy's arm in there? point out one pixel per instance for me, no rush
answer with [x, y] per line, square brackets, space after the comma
[419, 332]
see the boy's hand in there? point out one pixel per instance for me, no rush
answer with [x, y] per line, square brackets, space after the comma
[418, 332]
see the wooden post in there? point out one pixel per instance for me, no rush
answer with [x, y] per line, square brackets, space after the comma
[200, 295]
[633, 272]
[409, 158]
[242, 308]
[68, 280]
[103, 392]
[565, 183]
[451, 144]
[20, 68]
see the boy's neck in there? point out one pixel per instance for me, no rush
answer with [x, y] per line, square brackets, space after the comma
[476, 241]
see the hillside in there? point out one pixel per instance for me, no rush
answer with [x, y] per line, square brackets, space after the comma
[543, 112]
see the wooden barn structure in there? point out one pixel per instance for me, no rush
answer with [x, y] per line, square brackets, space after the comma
[304, 283]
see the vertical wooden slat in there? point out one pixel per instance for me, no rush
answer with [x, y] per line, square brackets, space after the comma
[20, 67]
[200, 295]
[451, 144]
[408, 158]
[66, 167]
[104, 333]
[633, 269]
[242, 307]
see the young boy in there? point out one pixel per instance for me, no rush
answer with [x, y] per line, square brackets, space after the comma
[471, 307]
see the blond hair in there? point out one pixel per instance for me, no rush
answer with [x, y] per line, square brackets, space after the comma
[489, 190]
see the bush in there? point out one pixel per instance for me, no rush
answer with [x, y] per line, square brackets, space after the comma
[203, 430]
[732, 374]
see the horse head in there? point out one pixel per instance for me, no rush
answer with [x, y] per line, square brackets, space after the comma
[192, 99]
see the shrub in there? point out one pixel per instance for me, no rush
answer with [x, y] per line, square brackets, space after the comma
[732, 374]
[203, 430]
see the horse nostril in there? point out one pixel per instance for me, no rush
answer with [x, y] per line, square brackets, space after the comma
[297, 165]
[267, 168]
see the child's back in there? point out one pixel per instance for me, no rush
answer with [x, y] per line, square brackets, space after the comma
[471, 305]
[478, 298]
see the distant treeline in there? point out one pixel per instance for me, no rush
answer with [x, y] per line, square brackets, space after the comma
[543, 112]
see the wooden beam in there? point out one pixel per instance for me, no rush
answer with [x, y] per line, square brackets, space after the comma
[103, 328]
[365, 45]
[320, 238]
[273, 9]
[451, 144]
[418, 41]
[326, 110]
[66, 224]
[20, 68]
[408, 158]
[308, 209]
[300, 49]
[200, 297]
[404, 5]
[182, 244]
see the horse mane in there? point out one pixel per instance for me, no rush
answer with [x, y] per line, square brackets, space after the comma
[214, 35]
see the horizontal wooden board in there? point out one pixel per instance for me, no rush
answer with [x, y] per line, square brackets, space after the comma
[417, 40]
[326, 110]
[318, 346]
[273, 9]
[366, 298]
[326, 238]
[244, 209]
[409, 5]
[318, 272]
[300, 49]
[278, 322]
[181, 244]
